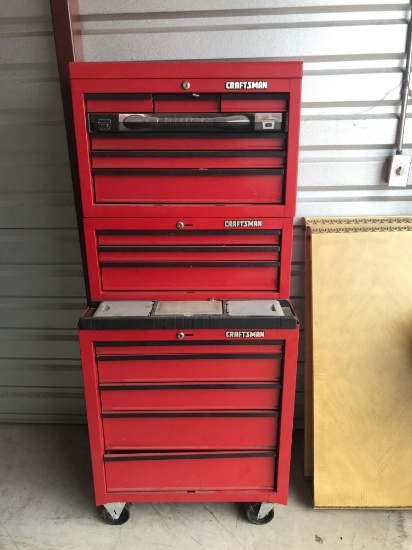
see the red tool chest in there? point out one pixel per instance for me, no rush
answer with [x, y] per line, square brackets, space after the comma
[188, 176]
[218, 427]
[171, 258]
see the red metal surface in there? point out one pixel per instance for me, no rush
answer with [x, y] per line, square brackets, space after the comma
[129, 218]
[239, 369]
[189, 105]
[184, 397]
[187, 144]
[124, 478]
[243, 70]
[119, 105]
[190, 432]
[189, 474]
[205, 78]
[178, 282]
[190, 161]
[182, 189]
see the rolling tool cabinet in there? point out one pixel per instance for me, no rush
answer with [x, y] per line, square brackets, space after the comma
[188, 178]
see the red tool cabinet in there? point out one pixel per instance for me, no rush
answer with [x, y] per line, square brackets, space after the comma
[190, 408]
[188, 175]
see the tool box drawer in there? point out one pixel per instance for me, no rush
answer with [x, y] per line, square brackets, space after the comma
[112, 103]
[191, 368]
[189, 471]
[184, 397]
[190, 430]
[181, 276]
[200, 160]
[210, 255]
[181, 143]
[212, 186]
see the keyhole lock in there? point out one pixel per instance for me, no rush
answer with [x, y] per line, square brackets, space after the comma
[185, 85]
[180, 225]
[180, 335]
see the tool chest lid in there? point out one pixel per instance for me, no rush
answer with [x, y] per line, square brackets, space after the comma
[186, 69]
[207, 314]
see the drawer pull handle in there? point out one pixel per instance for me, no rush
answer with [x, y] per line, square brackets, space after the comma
[147, 121]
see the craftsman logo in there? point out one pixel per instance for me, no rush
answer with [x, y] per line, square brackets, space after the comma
[245, 334]
[243, 223]
[260, 85]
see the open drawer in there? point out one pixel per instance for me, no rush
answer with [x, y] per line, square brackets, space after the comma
[212, 256]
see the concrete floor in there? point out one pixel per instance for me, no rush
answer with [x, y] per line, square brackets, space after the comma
[46, 500]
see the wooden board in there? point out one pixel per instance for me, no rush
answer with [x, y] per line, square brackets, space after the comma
[362, 363]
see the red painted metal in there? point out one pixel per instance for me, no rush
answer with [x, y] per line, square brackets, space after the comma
[235, 230]
[192, 160]
[135, 196]
[188, 397]
[243, 70]
[190, 432]
[187, 144]
[182, 189]
[123, 274]
[190, 474]
[196, 370]
[123, 479]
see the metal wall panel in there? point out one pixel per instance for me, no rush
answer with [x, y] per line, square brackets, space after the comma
[353, 57]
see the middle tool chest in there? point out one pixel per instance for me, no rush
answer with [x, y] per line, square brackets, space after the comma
[173, 258]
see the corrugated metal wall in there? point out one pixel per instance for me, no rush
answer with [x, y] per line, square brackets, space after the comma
[353, 57]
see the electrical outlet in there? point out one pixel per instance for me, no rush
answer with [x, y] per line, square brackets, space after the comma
[399, 170]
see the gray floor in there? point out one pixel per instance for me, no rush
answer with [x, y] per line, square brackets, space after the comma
[46, 500]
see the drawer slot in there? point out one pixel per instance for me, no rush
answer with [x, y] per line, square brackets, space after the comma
[208, 396]
[241, 367]
[191, 431]
[189, 471]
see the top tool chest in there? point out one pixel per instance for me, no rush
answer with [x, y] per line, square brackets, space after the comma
[188, 175]
[147, 136]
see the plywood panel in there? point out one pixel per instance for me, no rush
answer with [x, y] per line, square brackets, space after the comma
[362, 363]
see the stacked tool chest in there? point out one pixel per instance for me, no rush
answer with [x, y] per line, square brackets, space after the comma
[188, 183]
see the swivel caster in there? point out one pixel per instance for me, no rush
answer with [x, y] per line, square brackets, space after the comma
[116, 513]
[260, 513]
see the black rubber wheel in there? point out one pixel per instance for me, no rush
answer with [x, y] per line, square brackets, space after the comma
[121, 520]
[252, 512]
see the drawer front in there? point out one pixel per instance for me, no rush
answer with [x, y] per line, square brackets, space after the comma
[190, 431]
[190, 471]
[187, 253]
[198, 159]
[191, 368]
[195, 233]
[136, 186]
[181, 143]
[245, 103]
[113, 103]
[186, 397]
[212, 276]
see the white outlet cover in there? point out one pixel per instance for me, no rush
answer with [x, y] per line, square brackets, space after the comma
[399, 170]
